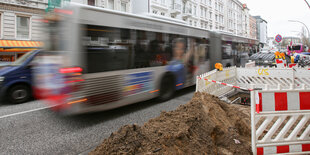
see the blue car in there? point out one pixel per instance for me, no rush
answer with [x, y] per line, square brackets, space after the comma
[16, 79]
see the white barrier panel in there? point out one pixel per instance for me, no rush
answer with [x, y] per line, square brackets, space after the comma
[285, 77]
[228, 75]
[283, 122]
[250, 64]
[261, 77]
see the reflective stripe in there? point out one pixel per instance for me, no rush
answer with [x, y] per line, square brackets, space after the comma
[304, 100]
[292, 99]
[268, 102]
[295, 148]
[270, 150]
[280, 101]
[283, 149]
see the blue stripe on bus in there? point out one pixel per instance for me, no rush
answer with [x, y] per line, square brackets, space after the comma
[141, 74]
[138, 80]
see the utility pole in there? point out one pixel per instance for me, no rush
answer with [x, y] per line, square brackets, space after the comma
[307, 3]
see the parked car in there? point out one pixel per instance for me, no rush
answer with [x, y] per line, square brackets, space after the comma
[16, 79]
[263, 58]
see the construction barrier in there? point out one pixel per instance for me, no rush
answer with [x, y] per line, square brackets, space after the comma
[228, 75]
[280, 112]
[250, 64]
[261, 77]
[280, 122]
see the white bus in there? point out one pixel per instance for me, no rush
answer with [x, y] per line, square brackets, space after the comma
[97, 59]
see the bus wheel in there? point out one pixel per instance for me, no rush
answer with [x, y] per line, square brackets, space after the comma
[167, 88]
[19, 94]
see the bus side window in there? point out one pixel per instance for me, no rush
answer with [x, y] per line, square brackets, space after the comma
[107, 49]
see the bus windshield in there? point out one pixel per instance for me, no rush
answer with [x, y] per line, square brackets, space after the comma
[22, 59]
[294, 48]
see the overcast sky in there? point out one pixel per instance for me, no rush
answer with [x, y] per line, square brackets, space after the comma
[278, 12]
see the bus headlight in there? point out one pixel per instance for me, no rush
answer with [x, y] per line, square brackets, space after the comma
[1, 78]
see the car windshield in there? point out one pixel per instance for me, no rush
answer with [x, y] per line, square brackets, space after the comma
[22, 59]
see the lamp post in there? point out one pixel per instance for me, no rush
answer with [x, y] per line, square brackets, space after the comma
[302, 24]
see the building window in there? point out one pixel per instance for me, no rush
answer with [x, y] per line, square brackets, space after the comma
[195, 23]
[210, 15]
[190, 22]
[162, 13]
[91, 2]
[123, 7]
[111, 4]
[155, 11]
[22, 27]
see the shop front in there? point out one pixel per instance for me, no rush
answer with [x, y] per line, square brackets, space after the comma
[10, 50]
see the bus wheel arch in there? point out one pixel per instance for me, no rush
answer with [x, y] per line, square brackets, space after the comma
[167, 86]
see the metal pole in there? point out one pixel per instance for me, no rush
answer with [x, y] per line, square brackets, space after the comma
[307, 3]
[303, 24]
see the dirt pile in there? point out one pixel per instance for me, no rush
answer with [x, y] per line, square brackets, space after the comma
[205, 125]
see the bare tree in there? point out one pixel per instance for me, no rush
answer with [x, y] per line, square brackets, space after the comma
[304, 37]
[285, 43]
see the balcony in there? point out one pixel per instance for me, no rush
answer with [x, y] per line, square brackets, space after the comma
[176, 9]
[187, 13]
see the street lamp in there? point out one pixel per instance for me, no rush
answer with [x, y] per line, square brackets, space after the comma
[302, 24]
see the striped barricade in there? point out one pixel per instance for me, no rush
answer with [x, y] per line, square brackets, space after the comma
[280, 122]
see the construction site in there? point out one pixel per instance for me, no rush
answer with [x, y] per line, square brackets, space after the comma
[251, 110]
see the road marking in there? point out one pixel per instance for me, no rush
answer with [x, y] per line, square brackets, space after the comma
[23, 112]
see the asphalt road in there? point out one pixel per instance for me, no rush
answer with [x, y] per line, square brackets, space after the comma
[31, 128]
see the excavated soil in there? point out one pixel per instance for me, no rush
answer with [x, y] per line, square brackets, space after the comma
[205, 125]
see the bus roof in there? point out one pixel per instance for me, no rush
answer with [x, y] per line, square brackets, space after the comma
[225, 35]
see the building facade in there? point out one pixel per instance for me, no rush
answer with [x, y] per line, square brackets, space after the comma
[20, 19]
[120, 5]
[253, 33]
[261, 26]
[21, 27]
[216, 15]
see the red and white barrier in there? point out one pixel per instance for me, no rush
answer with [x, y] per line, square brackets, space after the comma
[284, 101]
[301, 148]
[281, 122]
[280, 117]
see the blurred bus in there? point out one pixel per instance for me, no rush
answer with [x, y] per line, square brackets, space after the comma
[296, 48]
[98, 59]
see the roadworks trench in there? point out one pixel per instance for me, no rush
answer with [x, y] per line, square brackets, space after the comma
[205, 125]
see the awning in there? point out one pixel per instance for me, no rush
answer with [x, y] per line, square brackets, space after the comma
[20, 44]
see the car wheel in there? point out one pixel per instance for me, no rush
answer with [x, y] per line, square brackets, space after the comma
[167, 88]
[19, 94]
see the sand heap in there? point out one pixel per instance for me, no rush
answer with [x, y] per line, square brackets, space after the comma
[205, 125]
